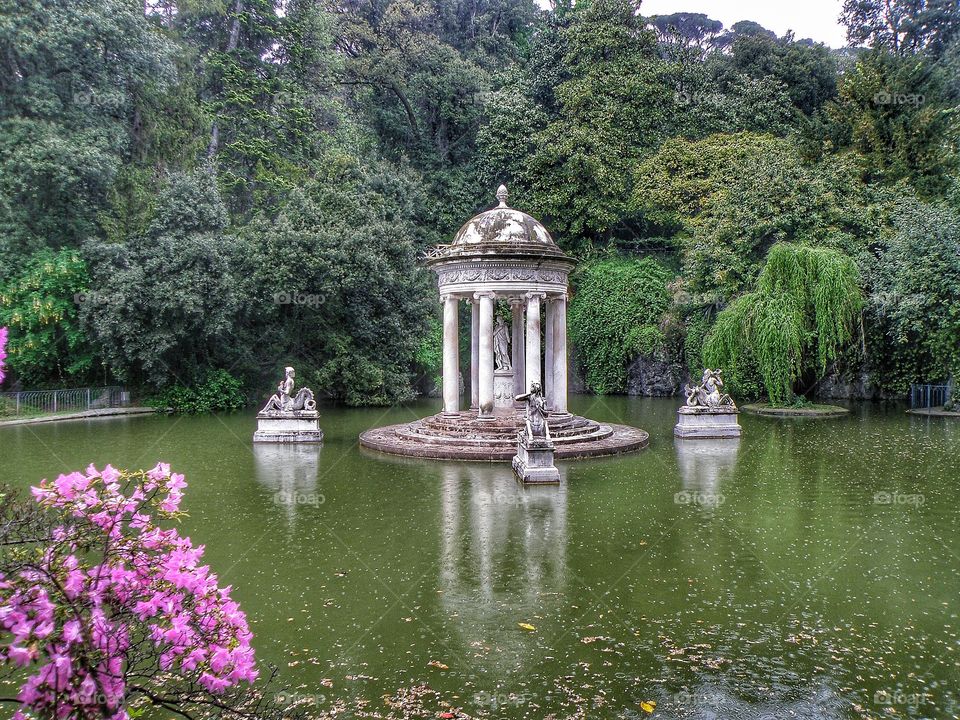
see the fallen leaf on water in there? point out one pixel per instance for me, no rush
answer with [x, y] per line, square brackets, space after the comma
[438, 664]
[648, 706]
[527, 626]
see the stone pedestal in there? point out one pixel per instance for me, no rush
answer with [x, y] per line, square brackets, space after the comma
[294, 426]
[503, 388]
[707, 422]
[533, 462]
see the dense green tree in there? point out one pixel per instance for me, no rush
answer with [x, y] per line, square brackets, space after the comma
[615, 104]
[508, 140]
[687, 29]
[902, 27]
[262, 123]
[338, 266]
[40, 305]
[915, 294]
[165, 303]
[895, 116]
[74, 79]
[807, 72]
[419, 72]
[730, 198]
[489, 32]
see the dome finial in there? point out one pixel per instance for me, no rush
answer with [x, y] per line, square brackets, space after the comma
[502, 195]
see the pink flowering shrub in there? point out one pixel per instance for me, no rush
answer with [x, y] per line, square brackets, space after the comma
[102, 609]
[3, 352]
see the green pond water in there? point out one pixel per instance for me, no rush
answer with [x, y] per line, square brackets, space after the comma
[809, 570]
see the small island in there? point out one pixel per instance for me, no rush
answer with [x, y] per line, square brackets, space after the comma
[808, 410]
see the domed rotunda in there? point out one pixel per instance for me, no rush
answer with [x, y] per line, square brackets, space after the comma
[508, 268]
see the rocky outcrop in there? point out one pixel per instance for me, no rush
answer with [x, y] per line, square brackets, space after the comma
[655, 376]
[647, 375]
[852, 384]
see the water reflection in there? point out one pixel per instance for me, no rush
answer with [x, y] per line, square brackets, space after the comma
[703, 465]
[502, 553]
[289, 472]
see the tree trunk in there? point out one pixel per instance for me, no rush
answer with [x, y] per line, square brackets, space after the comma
[231, 46]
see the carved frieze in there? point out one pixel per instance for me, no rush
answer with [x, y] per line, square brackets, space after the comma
[501, 274]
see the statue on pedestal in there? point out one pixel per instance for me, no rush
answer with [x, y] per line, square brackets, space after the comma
[501, 345]
[708, 412]
[287, 418]
[533, 462]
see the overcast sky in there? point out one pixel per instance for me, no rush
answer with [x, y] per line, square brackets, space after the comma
[817, 19]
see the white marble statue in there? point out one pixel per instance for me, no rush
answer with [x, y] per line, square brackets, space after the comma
[708, 393]
[536, 426]
[285, 401]
[501, 345]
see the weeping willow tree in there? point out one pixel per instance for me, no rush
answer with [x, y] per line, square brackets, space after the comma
[800, 316]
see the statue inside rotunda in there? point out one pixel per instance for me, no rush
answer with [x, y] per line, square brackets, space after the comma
[505, 265]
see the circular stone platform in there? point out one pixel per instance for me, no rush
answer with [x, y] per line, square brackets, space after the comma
[808, 411]
[462, 436]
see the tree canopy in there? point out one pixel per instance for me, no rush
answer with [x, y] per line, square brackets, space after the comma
[194, 194]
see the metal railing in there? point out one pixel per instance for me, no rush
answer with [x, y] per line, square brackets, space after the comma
[928, 396]
[38, 402]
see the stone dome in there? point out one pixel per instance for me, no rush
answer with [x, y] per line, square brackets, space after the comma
[501, 226]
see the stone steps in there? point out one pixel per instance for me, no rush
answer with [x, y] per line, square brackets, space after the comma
[418, 433]
[463, 436]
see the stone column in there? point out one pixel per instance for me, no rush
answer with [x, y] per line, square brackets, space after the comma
[474, 354]
[533, 338]
[485, 373]
[548, 348]
[517, 347]
[451, 361]
[560, 354]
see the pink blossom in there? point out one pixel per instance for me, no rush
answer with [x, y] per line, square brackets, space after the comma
[72, 615]
[3, 352]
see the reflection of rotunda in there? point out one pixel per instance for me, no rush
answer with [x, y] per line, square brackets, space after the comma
[514, 276]
[503, 556]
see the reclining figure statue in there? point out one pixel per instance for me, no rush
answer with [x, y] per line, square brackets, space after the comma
[707, 394]
[283, 401]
